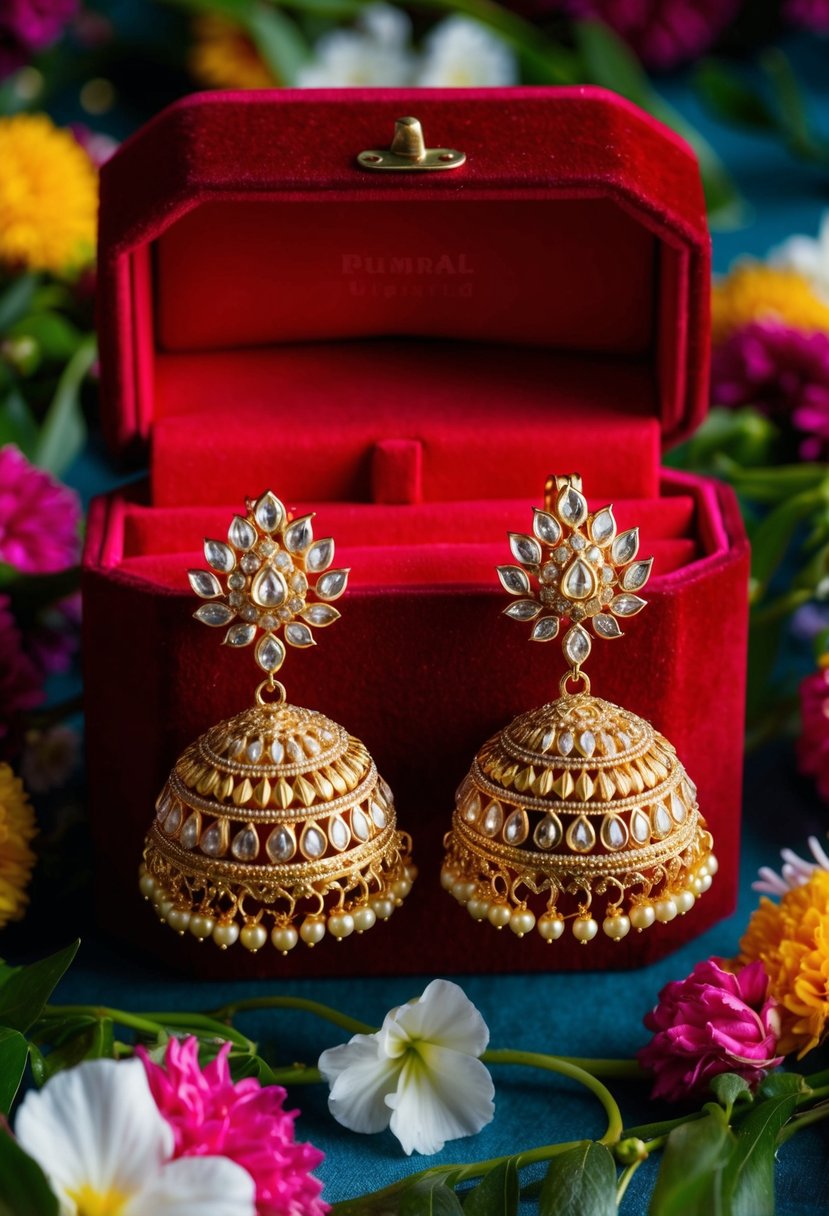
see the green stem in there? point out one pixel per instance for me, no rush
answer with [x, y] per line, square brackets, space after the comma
[352, 1025]
[296, 1074]
[650, 1131]
[154, 1023]
[803, 1119]
[566, 1068]
[624, 1180]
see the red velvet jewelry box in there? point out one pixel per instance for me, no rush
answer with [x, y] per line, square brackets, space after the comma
[410, 355]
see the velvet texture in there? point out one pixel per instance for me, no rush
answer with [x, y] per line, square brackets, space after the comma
[409, 356]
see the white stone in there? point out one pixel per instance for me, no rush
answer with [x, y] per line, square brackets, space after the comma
[332, 584]
[241, 534]
[546, 527]
[281, 844]
[312, 841]
[320, 556]
[245, 844]
[299, 535]
[548, 832]
[493, 819]
[360, 824]
[219, 555]
[268, 589]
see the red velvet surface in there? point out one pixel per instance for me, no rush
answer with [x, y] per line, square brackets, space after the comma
[547, 311]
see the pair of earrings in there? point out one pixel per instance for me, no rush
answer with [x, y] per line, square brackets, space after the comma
[275, 824]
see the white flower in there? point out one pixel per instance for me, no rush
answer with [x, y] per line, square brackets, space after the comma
[376, 52]
[463, 53]
[419, 1074]
[105, 1148]
[795, 872]
[808, 256]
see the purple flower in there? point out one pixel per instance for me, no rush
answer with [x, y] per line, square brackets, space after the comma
[809, 14]
[813, 744]
[27, 26]
[39, 517]
[783, 372]
[663, 33]
[20, 681]
[709, 1023]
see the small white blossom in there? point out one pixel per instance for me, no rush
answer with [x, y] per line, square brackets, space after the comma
[795, 871]
[807, 255]
[105, 1147]
[461, 53]
[376, 53]
[419, 1075]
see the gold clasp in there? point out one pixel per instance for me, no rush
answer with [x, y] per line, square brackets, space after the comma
[408, 151]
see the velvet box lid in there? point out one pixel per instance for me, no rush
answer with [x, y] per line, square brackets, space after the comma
[410, 355]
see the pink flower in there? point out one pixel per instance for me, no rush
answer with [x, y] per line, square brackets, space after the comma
[809, 14]
[783, 372]
[27, 26]
[39, 517]
[20, 681]
[813, 744]
[212, 1116]
[663, 33]
[711, 1022]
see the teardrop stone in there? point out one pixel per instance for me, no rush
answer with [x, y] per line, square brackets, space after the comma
[191, 831]
[493, 819]
[640, 828]
[245, 844]
[281, 844]
[581, 836]
[678, 809]
[603, 527]
[548, 832]
[661, 821]
[213, 841]
[614, 833]
[268, 589]
[579, 581]
[359, 824]
[378, 815]
[312, 841]
[338, 833]
[516, 827]
[472, 808]
[173, 821]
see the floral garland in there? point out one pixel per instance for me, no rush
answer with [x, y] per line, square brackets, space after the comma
[198, 1139]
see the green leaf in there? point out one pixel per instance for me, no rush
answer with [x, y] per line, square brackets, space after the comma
[24, 1190]
[14, 1051]
[690, 1177]
[780, 1084]
[25, 990]
[497, 1194]
[56, 337]
[729, 1089]
[430, 1197]
[748, 1181]
[16, 300]
[792, 119]
[279, 41]
[771, 540]
[17, 424]
[730, 98]
[610, 62]
[92, 1042]
[64, 430]
[580, 1182]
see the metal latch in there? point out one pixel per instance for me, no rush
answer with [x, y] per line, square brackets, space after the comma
[408, 151]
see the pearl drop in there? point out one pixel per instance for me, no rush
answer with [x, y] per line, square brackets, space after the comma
[448, 878]
[478, 908]
[522, 921]
[312, 930]
[550, 927]
[284, 938]
[584, 929]
[642, 916]
[702, 869]
[253, 937]
[225, 934]
[401, 888]
[178, 919]
[499, 915]
[340, 924]
[712, 864]
[201, 926]
[705, 883]
[383, 906]
[696, 886]
[463, 891]
[146, 885]
[165, 906]
[665, 910]
[616, 927]
[364, 918]
[684, 901]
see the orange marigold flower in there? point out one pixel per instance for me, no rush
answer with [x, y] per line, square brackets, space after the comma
[17, 830]
[223, 57]
[792, 940]
[754, 291]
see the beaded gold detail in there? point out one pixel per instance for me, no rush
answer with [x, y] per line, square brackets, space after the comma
[275, 824]
[579, 804]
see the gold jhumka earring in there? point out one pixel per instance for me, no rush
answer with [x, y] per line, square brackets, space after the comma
[578, 810]
[275, 824]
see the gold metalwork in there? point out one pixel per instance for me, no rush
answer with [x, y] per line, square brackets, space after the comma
[275, 823]
[408, 152]
[579, 803]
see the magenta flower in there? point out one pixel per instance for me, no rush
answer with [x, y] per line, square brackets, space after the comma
[39, 517]
[663, 33]
[27, 26]
[808, 14]
[783, 372]
[711, 1022]
[245, 1121]
[813, 744]
[20, 681]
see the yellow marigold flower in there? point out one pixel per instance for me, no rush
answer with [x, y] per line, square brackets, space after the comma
[223, 57]
[754, 291]
[17, 830]
[48, 196]
[792, 939]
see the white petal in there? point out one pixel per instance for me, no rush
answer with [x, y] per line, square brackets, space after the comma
[818, 852]
[441, 1096]
[444, 1015]
[211, 1186]
[360, 1077]
[95, 1125]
